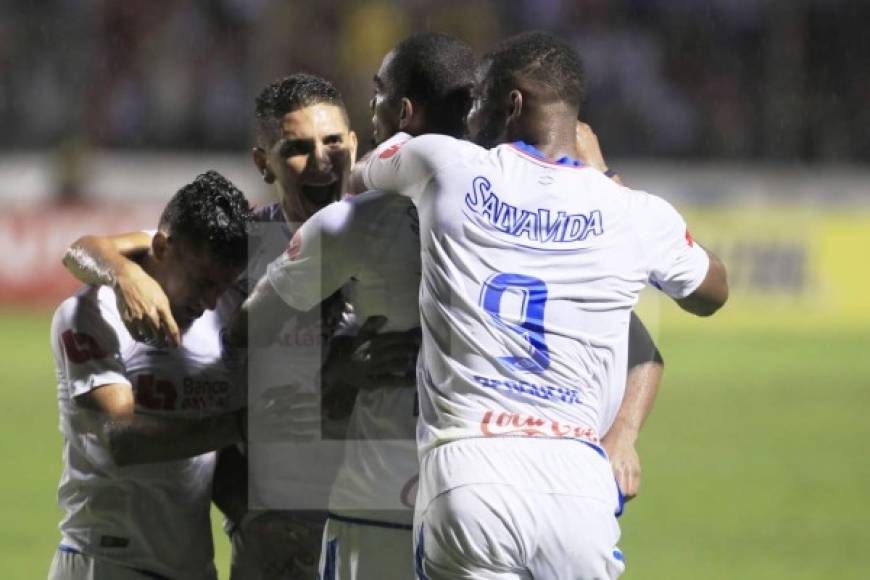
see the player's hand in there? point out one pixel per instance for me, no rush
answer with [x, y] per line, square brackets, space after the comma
[144, 308]
[625, 462]
[588, 148]
[284, 413]
[372, 359]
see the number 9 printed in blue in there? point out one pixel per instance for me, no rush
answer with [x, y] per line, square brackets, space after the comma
[530, 324]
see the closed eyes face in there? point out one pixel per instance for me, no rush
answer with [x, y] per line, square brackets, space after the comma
[193, 280]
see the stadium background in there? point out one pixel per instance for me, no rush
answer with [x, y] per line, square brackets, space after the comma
[751, 116]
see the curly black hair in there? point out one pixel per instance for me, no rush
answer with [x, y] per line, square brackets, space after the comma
[539, 57]
[294, 92]
[436, 70]
[212, 215]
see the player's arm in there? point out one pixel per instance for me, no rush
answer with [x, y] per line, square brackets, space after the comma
[678, 265]
[645, 369]
[322, 256]
[134, 438]
[712, 294]
[230, 484]
[109, 261]
[405, 165]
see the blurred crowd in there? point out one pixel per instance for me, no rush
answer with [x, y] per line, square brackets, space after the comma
[733, 79]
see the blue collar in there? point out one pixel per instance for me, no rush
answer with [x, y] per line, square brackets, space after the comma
[535, 152]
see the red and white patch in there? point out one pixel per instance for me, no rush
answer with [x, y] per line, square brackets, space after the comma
[295, 246]
[689, 239]
[390, 151]
[81, 347]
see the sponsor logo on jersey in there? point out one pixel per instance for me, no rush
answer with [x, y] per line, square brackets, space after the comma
[390, 151]
[505, 423]
[294, 247]
[541, 225]
[81, 347]
[160, 394]
[546, 392]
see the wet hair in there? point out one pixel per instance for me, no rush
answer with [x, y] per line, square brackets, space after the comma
[212, 215]
[539, 57]
[437, 71]
[292, 93]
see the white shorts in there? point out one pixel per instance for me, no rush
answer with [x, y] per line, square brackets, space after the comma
[517, 508]
[354, 549]
[69, 564]
[276, 545]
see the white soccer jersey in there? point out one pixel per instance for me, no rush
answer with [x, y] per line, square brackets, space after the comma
[530, 271]
[155, 516]
[287, 369]
[370, 246]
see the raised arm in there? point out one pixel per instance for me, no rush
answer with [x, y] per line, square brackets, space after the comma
[109, 261]
[134, 438]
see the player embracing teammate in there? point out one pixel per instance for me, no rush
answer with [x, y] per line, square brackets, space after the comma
[531, 263]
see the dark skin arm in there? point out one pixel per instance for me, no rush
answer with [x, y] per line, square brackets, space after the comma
[712, 294]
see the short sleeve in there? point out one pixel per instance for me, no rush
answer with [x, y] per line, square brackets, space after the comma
[677, 265]
[321, 257]
[87, 346]
[405, 165]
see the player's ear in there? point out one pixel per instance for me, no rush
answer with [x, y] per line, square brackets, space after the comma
[406, 114]
[514, 106]
[352, 143]
[160, 246]
[261, 160]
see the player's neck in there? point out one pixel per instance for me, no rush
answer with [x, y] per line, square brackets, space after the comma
[554, 135]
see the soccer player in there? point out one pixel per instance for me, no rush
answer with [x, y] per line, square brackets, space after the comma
[373, 244]
[531, 265]
[372, 241]
[304, 149]
[139, 421]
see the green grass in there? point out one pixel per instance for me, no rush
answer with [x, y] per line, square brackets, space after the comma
[754, 459]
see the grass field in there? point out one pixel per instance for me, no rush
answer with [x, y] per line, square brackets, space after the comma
[755, 459]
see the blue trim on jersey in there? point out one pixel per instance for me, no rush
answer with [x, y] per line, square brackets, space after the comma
[148, 574]
[418, 557]
[535, 152]
[617, 554]
[597, 449]
[367, 522]
[621, 507]
[329, 567]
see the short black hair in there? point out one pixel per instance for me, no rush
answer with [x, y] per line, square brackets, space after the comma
[539, 57]
[212, 215]
[436, 70]
[294, 92]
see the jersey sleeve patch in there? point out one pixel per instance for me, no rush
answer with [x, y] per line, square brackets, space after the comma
[390, 151]
[294, 248]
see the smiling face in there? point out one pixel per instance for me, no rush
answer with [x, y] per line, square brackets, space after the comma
[310, 157]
